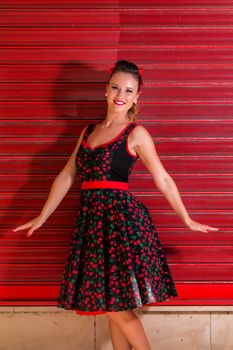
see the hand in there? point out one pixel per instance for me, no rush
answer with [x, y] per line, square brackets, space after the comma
[197, 226]
[33, 224]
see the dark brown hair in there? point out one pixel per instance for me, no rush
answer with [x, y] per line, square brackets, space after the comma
[128, 67]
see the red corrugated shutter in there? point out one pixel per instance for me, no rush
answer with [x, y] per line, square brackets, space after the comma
[53, 68]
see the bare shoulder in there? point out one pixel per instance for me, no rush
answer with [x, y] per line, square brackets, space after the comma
[139, 134]
[140, 129]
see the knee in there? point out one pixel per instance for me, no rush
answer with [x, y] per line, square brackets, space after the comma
[113, 315]
[123, 315]
[110, 314]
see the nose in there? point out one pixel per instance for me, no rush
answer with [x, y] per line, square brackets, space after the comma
[120, 96]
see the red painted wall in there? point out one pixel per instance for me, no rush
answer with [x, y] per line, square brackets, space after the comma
[54, 56]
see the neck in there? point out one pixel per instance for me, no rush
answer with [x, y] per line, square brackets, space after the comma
[115, 119]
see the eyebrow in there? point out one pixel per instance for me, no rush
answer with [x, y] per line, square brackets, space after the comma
[127, 86]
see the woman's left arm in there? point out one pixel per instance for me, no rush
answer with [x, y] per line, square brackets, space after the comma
[145, 148]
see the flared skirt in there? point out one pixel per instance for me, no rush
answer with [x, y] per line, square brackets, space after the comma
[116, 261]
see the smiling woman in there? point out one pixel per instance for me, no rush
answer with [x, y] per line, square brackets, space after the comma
[133, 88]
[116, 262]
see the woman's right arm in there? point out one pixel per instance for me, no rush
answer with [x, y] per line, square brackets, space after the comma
[60, 186]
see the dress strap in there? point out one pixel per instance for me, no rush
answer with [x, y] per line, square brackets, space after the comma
[124, 140]
[128, 130]
[131, 127]
[88, 131]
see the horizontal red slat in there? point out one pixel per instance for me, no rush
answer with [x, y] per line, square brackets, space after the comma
[128, 36]
[110, 3]
[146, 54]
[151, 198]
[149, 114]
[193, 272]
[73, 92]
[165, 146]
[175, 254]
[49, 235]
[124, 16]
[174, 164]
[47, 294]
[153, 74]
[162, 218]
[137, 182]
[168, 128]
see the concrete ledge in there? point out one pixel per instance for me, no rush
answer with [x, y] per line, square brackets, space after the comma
[167, 327]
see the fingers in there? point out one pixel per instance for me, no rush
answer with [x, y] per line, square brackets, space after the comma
[29, 233]
[211, 228]
[22, 227]
[207, 229]
[203, 228]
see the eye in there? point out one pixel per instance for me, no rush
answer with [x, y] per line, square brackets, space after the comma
[114, 87]
[129, 90]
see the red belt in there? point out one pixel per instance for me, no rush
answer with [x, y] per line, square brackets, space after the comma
[104, 184]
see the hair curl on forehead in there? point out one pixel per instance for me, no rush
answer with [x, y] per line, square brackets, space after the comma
[128, 67]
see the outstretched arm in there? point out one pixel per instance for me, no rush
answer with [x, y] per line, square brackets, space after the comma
[144, 146]
[60, 186]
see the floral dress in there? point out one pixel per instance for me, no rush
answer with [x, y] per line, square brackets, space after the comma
[115, 261]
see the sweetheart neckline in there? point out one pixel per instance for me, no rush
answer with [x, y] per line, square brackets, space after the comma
[107, 142]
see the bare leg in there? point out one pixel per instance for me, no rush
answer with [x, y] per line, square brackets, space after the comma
[119, 341]
[131, 327]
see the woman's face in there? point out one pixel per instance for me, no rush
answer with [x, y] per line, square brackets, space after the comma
[122, 91]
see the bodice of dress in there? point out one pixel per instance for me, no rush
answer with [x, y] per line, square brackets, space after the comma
[110, 161]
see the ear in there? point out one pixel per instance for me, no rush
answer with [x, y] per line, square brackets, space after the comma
[106, 89]
[137, 97]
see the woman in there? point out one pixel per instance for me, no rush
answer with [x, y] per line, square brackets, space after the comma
[116, 262]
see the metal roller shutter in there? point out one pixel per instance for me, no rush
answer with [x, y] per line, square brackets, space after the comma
[53, 60]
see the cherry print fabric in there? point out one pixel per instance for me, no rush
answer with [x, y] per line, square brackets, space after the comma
[116, 261]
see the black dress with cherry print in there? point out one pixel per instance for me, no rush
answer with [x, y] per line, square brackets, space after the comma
[116, 261]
